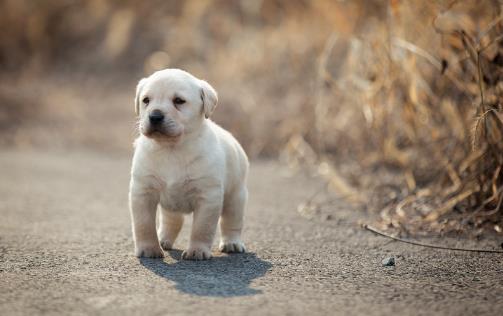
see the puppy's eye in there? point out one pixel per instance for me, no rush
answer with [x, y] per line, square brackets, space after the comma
[178, 101]
[146, 100]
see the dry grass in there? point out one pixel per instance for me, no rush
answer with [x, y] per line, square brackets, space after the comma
[425, 94]
[397, 103]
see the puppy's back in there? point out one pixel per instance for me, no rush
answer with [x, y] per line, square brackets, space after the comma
[236, 160]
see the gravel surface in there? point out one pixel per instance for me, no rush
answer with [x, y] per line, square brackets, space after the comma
[66, 249]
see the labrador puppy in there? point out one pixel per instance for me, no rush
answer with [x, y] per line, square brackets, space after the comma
[186, 164]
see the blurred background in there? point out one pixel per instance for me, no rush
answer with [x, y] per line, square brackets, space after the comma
[396, 104]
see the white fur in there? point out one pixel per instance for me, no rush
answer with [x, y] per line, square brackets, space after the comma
[191, 165]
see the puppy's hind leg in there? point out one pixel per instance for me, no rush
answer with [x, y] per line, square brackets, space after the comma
[231, 222]
[170, 225]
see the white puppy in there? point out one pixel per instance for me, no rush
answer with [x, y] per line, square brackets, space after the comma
[186, 164]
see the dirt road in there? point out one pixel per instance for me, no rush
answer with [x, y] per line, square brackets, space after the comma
[66, 248]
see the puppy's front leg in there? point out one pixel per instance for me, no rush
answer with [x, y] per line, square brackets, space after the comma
[204, 226]
[231, 223]
[143, 205]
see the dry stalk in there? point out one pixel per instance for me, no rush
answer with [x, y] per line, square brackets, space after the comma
[417, 243]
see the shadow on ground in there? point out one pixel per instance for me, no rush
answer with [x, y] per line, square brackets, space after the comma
[224, 276]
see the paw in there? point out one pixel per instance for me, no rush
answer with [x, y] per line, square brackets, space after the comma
[166, 245]
[149, 252]
[232, 246]
[197, 253]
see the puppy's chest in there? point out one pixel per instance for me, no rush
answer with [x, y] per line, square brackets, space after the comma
[182, 195]
[184, 188]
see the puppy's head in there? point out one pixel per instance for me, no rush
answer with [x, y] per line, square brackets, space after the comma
[172, 103]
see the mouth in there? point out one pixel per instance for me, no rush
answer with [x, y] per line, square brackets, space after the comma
[160, 134]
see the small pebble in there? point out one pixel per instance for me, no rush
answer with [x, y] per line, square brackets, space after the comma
[388, 262]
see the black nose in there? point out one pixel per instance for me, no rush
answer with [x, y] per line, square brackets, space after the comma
[156, 117]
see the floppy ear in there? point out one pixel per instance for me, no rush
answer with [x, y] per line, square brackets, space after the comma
[139, 87]
[209, 98]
